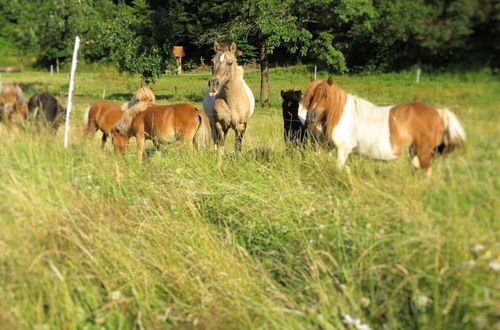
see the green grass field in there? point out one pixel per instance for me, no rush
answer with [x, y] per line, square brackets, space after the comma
[268, 238]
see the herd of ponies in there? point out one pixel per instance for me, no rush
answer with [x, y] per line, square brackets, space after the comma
[325, 114]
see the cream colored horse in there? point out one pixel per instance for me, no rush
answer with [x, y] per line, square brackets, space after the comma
[228, 101]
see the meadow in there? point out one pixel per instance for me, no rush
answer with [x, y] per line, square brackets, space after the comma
[271, 237]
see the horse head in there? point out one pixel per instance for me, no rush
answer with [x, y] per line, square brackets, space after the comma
[224, 66]
[120, 140]
[324, 102]
[290, 105]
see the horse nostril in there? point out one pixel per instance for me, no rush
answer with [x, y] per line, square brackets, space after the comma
[214, 83]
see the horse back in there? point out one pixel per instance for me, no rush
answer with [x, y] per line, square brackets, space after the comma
[48, 107]
[164, 120]
[105, 114]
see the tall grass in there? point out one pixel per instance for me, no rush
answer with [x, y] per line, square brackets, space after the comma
[268, 238]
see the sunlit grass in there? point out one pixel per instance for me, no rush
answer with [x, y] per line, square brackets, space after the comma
[269, 238]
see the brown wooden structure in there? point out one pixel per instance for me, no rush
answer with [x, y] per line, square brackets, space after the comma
[179, 54]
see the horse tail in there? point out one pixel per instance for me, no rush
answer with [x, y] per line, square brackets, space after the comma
[86, 117]
[203, 134]
[454, 134]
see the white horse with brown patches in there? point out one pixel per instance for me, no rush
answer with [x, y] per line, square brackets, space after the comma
[351, 123]
[228, 101]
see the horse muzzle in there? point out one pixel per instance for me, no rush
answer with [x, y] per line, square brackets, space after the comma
[214, 86]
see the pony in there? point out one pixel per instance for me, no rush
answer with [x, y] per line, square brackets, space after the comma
[45, 111]
[163, 123]
[351, 123]
[228, 101]
[13, 107]
[104, 115]
[294, 117]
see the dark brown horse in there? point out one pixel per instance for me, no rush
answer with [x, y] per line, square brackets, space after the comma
[45, 111]
[163, 123]
[294, 117]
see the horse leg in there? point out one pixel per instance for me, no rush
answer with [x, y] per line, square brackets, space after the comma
[342, 155]
[221, 134]
[104, 139]
[415, 162]
[424, 154]
[140, 147]
[240, 131]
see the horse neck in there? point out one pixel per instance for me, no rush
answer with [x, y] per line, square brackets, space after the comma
[234, 82]
[361, 103]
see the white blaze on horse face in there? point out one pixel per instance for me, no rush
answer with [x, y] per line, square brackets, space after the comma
[222, 57]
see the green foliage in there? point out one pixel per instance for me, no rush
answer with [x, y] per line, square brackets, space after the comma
[341, 35]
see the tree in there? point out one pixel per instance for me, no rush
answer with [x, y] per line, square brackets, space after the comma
[267, 25]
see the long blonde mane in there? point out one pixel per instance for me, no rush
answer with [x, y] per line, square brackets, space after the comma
[330, 97]
[142, 99]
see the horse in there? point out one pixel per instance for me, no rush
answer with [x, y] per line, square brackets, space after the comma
[294, 117]
[228, 101]
[351, 123]
[104, 115]
[46, 111]
[162, 123]
[13, 107]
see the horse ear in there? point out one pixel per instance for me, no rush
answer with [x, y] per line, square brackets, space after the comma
[216, 46]
[238, 53]
[330, 80]
[300, 93]
[282, 94]
[232, 48]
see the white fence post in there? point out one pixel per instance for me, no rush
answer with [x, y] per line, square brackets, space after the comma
[418, 75]
[315, 70]
[70, 92]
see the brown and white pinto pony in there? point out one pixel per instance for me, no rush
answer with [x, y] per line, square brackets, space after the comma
[351, 123]
[13, 108]
[163, 123]
[104, 115]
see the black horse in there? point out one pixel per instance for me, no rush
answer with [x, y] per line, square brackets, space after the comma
[45, 111]
[295, 128]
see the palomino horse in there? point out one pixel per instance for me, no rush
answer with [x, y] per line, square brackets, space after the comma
[45, 111]
[228, 102]
[104, 115]
[163, 123]
[351, 123]
[294, 117]
[12, 104]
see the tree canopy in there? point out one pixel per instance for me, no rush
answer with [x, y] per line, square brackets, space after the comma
[340, 35]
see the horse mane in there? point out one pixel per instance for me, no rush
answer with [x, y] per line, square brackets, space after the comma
[14, 89]
[141, 100]
[241, 71]
[334, 99]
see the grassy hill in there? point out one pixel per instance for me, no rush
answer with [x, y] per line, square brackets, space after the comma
[268, 238]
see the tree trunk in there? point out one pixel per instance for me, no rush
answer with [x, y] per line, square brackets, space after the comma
[264, 73]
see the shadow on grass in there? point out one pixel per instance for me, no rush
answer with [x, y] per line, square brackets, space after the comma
[128, 96]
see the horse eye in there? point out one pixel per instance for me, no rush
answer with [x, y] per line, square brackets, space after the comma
[229, 63]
